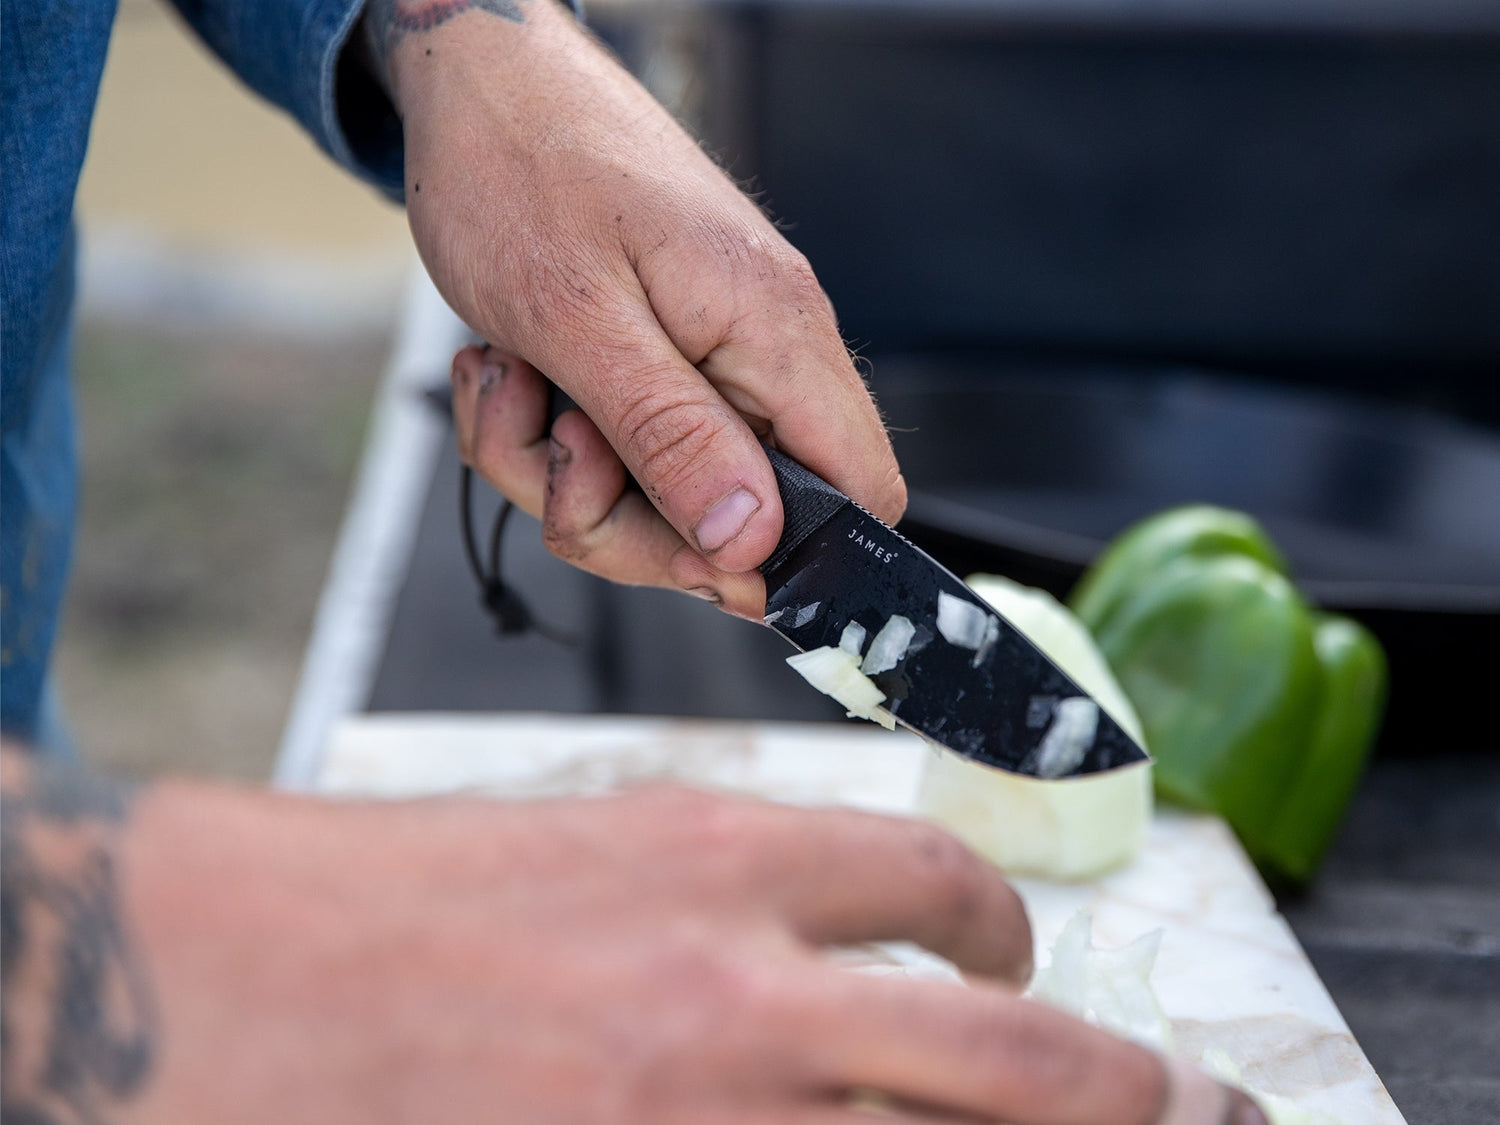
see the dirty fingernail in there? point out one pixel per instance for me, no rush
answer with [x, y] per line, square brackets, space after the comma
[558, 456]
[707, 593]
[490, 374]
[725, 519]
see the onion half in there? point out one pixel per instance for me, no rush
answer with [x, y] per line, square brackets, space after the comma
[1067, 829]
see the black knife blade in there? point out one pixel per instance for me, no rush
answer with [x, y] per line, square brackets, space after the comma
[995, 702]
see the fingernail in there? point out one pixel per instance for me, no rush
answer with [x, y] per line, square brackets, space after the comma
[558, 456]
[725, 520]
[707, 593]
[490, 374]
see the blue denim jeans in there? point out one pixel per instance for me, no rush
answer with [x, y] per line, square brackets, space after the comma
[51, 58]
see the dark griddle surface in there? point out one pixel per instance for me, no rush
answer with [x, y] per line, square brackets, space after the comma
[1404, 928]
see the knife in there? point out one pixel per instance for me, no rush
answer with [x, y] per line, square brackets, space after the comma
[1003, 703]
[968, 678]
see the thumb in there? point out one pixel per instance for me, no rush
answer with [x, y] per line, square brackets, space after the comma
[694, 455]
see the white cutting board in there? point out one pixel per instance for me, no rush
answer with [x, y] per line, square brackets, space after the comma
[1230, 974]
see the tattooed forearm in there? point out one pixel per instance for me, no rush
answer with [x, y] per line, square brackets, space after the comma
[77, 1023]
[386, 21]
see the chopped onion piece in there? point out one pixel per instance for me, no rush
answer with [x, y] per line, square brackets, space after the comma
[1063, 982]
[1074, 723]
[805, 614]
[853, 639]
[1110, 988]
[889, 645]
[987, 642]
[836, 673]
[962, 623]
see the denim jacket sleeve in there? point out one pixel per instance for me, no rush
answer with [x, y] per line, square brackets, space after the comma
[292, 53]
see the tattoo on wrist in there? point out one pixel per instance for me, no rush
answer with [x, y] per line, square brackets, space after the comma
[387, 21]
[78, 1026]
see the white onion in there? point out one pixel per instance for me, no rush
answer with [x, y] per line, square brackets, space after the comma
[1063, 982]
[1074, 723]
[1063, 638]
[1066, 830]
[805, 614]
[1072, 828]
[961, 622]
[889, 645]
[987, 642]
[853, 638]
[836, 673]
[1110, 988]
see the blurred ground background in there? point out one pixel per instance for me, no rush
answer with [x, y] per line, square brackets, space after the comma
[237, 296]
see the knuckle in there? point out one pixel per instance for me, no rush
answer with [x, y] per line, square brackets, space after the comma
[707, 994]
[727, 844]
[895, 493]
[565, 543]
[800, 284]
[718, 827]
[728, 239]
[957, 877]
[715, 983]
[1007, 1052]
[669, 438]
[676, 805]
[973, 903]
[698, 821]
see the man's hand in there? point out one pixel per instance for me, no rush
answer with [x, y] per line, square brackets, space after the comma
[569, 220]
[207, 954]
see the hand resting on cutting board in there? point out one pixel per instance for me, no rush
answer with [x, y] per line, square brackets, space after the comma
[644, 959]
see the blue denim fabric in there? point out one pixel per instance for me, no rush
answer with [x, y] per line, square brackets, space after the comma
[51, 57]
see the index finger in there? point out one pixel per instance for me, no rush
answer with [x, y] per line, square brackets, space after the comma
[985, 1052]
[841, 876]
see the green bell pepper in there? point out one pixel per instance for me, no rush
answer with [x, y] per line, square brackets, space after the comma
[1254, 706]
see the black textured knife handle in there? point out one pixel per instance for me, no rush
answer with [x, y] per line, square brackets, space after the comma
[807, 502]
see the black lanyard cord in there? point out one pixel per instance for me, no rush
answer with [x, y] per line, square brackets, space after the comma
[511, 614]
